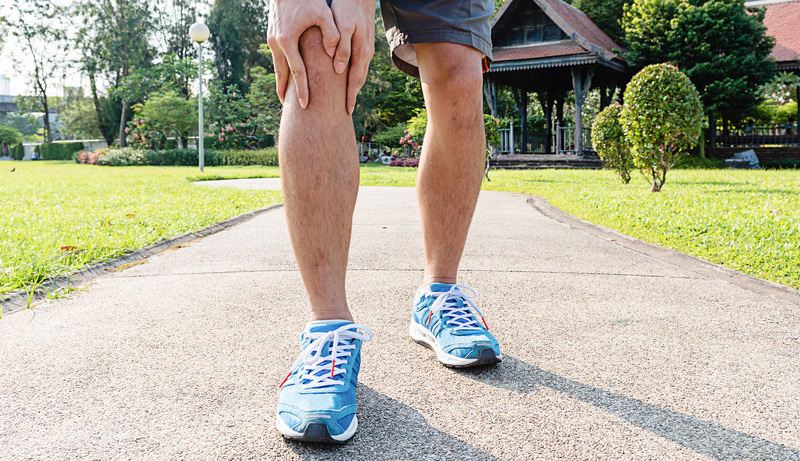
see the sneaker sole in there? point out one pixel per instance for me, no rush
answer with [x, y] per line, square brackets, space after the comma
[424, 337]
[316, 432]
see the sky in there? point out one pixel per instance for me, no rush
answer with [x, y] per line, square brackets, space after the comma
[17, 65]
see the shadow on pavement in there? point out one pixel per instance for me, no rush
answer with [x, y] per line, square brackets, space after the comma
[389, 429]
[695, 434]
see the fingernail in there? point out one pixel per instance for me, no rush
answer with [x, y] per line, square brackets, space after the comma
[338, 66]
[331, 51]
[303, 103]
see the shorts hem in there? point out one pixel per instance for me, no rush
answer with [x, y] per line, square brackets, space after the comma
[397, 38]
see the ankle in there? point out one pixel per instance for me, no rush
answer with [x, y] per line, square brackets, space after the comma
[427, 281]
[318, 315]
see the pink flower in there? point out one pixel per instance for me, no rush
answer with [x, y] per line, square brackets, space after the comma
[127, 130]
[220, 139]
[405, 131]
[241, 124]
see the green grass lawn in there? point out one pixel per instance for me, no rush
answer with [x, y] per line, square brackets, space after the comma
[747, 220]
[56, 217]
[59, 216]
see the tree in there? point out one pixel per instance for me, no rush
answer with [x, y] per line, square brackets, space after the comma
[264, 101]
[606, 14]
[9, 136]
[661, 118]
[238, 29]
[116, 41]
[608, 139]
[720, 45]
[37, 27]
[170, 114]
[80, 120]
[25, 123]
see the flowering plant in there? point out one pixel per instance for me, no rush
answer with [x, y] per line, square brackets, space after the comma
[414, 146]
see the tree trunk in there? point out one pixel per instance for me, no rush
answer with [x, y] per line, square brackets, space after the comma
[123, 121]
[48, 133]
[97, 110]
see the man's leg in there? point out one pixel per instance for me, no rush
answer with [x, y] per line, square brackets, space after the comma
[319, 171]
[451, 169]
[445, 317]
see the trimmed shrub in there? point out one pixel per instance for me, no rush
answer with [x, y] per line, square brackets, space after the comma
[268, 157]
[88, 157]
[180, 157]
[609, 141]
[58, 150]
[661, 118]
[18, 152]
[405, 162]
[126, 156]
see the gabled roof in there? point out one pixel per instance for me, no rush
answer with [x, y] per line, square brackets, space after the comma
[582, 30]
[783, 23]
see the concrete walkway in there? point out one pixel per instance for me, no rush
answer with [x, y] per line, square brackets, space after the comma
[613, 350]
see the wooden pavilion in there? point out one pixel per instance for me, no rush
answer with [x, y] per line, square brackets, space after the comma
[550, 48]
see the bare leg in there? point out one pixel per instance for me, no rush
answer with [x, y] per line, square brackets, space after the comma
[319, 171]
[453, 156]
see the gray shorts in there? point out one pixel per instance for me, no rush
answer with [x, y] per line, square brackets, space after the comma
[410, 22]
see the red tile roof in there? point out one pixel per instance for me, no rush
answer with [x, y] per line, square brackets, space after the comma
[584, 26]
[783, 23]
[543, 50]
[584, 33]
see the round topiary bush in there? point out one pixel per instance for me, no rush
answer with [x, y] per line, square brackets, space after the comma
[609, 141]
[661, 119]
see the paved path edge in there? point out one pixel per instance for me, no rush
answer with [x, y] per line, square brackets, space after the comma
[700, 266]
[17, 300]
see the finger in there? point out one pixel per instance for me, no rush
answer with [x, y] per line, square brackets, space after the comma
[330, 33]
[281, 71]
[355, 80]
[298, 70]
[343, 51]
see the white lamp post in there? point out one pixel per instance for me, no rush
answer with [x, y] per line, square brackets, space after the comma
[199, 33]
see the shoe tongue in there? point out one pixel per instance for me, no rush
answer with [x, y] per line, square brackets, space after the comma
[437, 287]
[325, 325]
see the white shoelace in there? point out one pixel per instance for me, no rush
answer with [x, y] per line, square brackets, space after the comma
[460, 318]
[314, 362]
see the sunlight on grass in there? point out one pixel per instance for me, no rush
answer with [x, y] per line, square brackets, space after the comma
[59, 216]
[746, 220]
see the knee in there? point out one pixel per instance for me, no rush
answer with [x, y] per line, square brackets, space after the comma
[456, 79]
[325, 86]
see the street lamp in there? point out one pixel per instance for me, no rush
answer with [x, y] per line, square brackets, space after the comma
[199, 33]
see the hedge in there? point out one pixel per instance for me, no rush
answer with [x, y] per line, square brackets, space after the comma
[267, 157]
[181, 157]
[58, 150]
[177, 157]
[18, 152]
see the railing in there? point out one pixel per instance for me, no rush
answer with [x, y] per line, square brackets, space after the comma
[565, 142]
[511, 142]
[752, 136]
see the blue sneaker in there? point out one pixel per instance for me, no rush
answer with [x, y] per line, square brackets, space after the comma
[444, 319]
[318, 397]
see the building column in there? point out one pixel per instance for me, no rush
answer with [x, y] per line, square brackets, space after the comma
[581, 84]
[523, 118]
[490, 95]
[546, 101]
